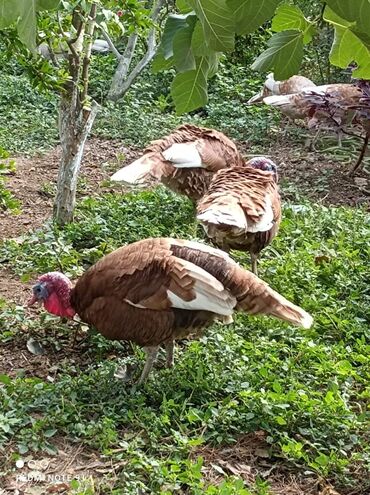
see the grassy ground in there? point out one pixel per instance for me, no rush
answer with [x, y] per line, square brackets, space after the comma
[292, 404]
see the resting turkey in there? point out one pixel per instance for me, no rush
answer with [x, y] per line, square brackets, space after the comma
[241, 209]
[157, 290]
[184, 161]
[294, 84]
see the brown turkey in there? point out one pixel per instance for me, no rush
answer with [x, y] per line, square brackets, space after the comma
[184, 161]
[306, 103]
[294, 84]
[241, 209]
[157, 290]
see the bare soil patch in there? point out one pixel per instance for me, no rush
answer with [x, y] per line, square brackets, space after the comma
[43, 473]
[33, 182]
[250, 459]
[319, 176]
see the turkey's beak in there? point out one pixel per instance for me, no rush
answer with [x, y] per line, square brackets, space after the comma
[32, 301]
[40, 294]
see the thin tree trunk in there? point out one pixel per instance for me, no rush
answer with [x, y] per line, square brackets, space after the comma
[73, 130]
[122, 70]
[123, 79]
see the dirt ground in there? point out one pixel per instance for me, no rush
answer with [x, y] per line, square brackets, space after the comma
[322, 179]
[249, 458]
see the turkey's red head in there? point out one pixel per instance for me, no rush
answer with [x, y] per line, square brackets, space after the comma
[263, 163]
[53, 290]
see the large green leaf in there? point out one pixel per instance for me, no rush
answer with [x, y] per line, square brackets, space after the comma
[199, 43]
[284, 55]
[182, 52]
[348, 46]
[291, 17]
[218, 23]
[183, 6]
[353, 11]
[249, 15]
[174, 23]
[189, 89]
[25, 12]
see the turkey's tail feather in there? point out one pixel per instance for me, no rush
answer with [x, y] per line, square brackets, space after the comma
[257, 98]
[222, 213]
[142, 170]
[278, 100]
[260, 298]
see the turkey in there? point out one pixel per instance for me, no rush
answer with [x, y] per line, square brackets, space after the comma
[184, 161]
[157, 290]
[294, 84]
[241, 209]
[327, 104]
[306, 103]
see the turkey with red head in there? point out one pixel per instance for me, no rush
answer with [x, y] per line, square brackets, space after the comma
[184, 161]
[157, 290]
[241, 209]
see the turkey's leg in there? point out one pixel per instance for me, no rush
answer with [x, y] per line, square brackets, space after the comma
[151, 354]
[254, 258]
[169, 346]
[339, 136]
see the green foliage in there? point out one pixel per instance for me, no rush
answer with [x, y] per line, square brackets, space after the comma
[102, 224]
[23, 13]
[219, 21]
[7, 200]
[349, 45]
[29, 115]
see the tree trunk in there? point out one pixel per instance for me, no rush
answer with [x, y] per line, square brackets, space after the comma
[74, 126]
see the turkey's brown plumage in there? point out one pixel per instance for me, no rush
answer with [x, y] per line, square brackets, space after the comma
[184, 161]
[241, 210]
[157, 290]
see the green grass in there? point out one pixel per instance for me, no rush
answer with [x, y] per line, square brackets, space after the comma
[29, 118]
[309, 390]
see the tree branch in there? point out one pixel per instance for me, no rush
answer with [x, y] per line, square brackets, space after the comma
[89, 33]
[112, 46]
[123, 68]
[121, 82]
